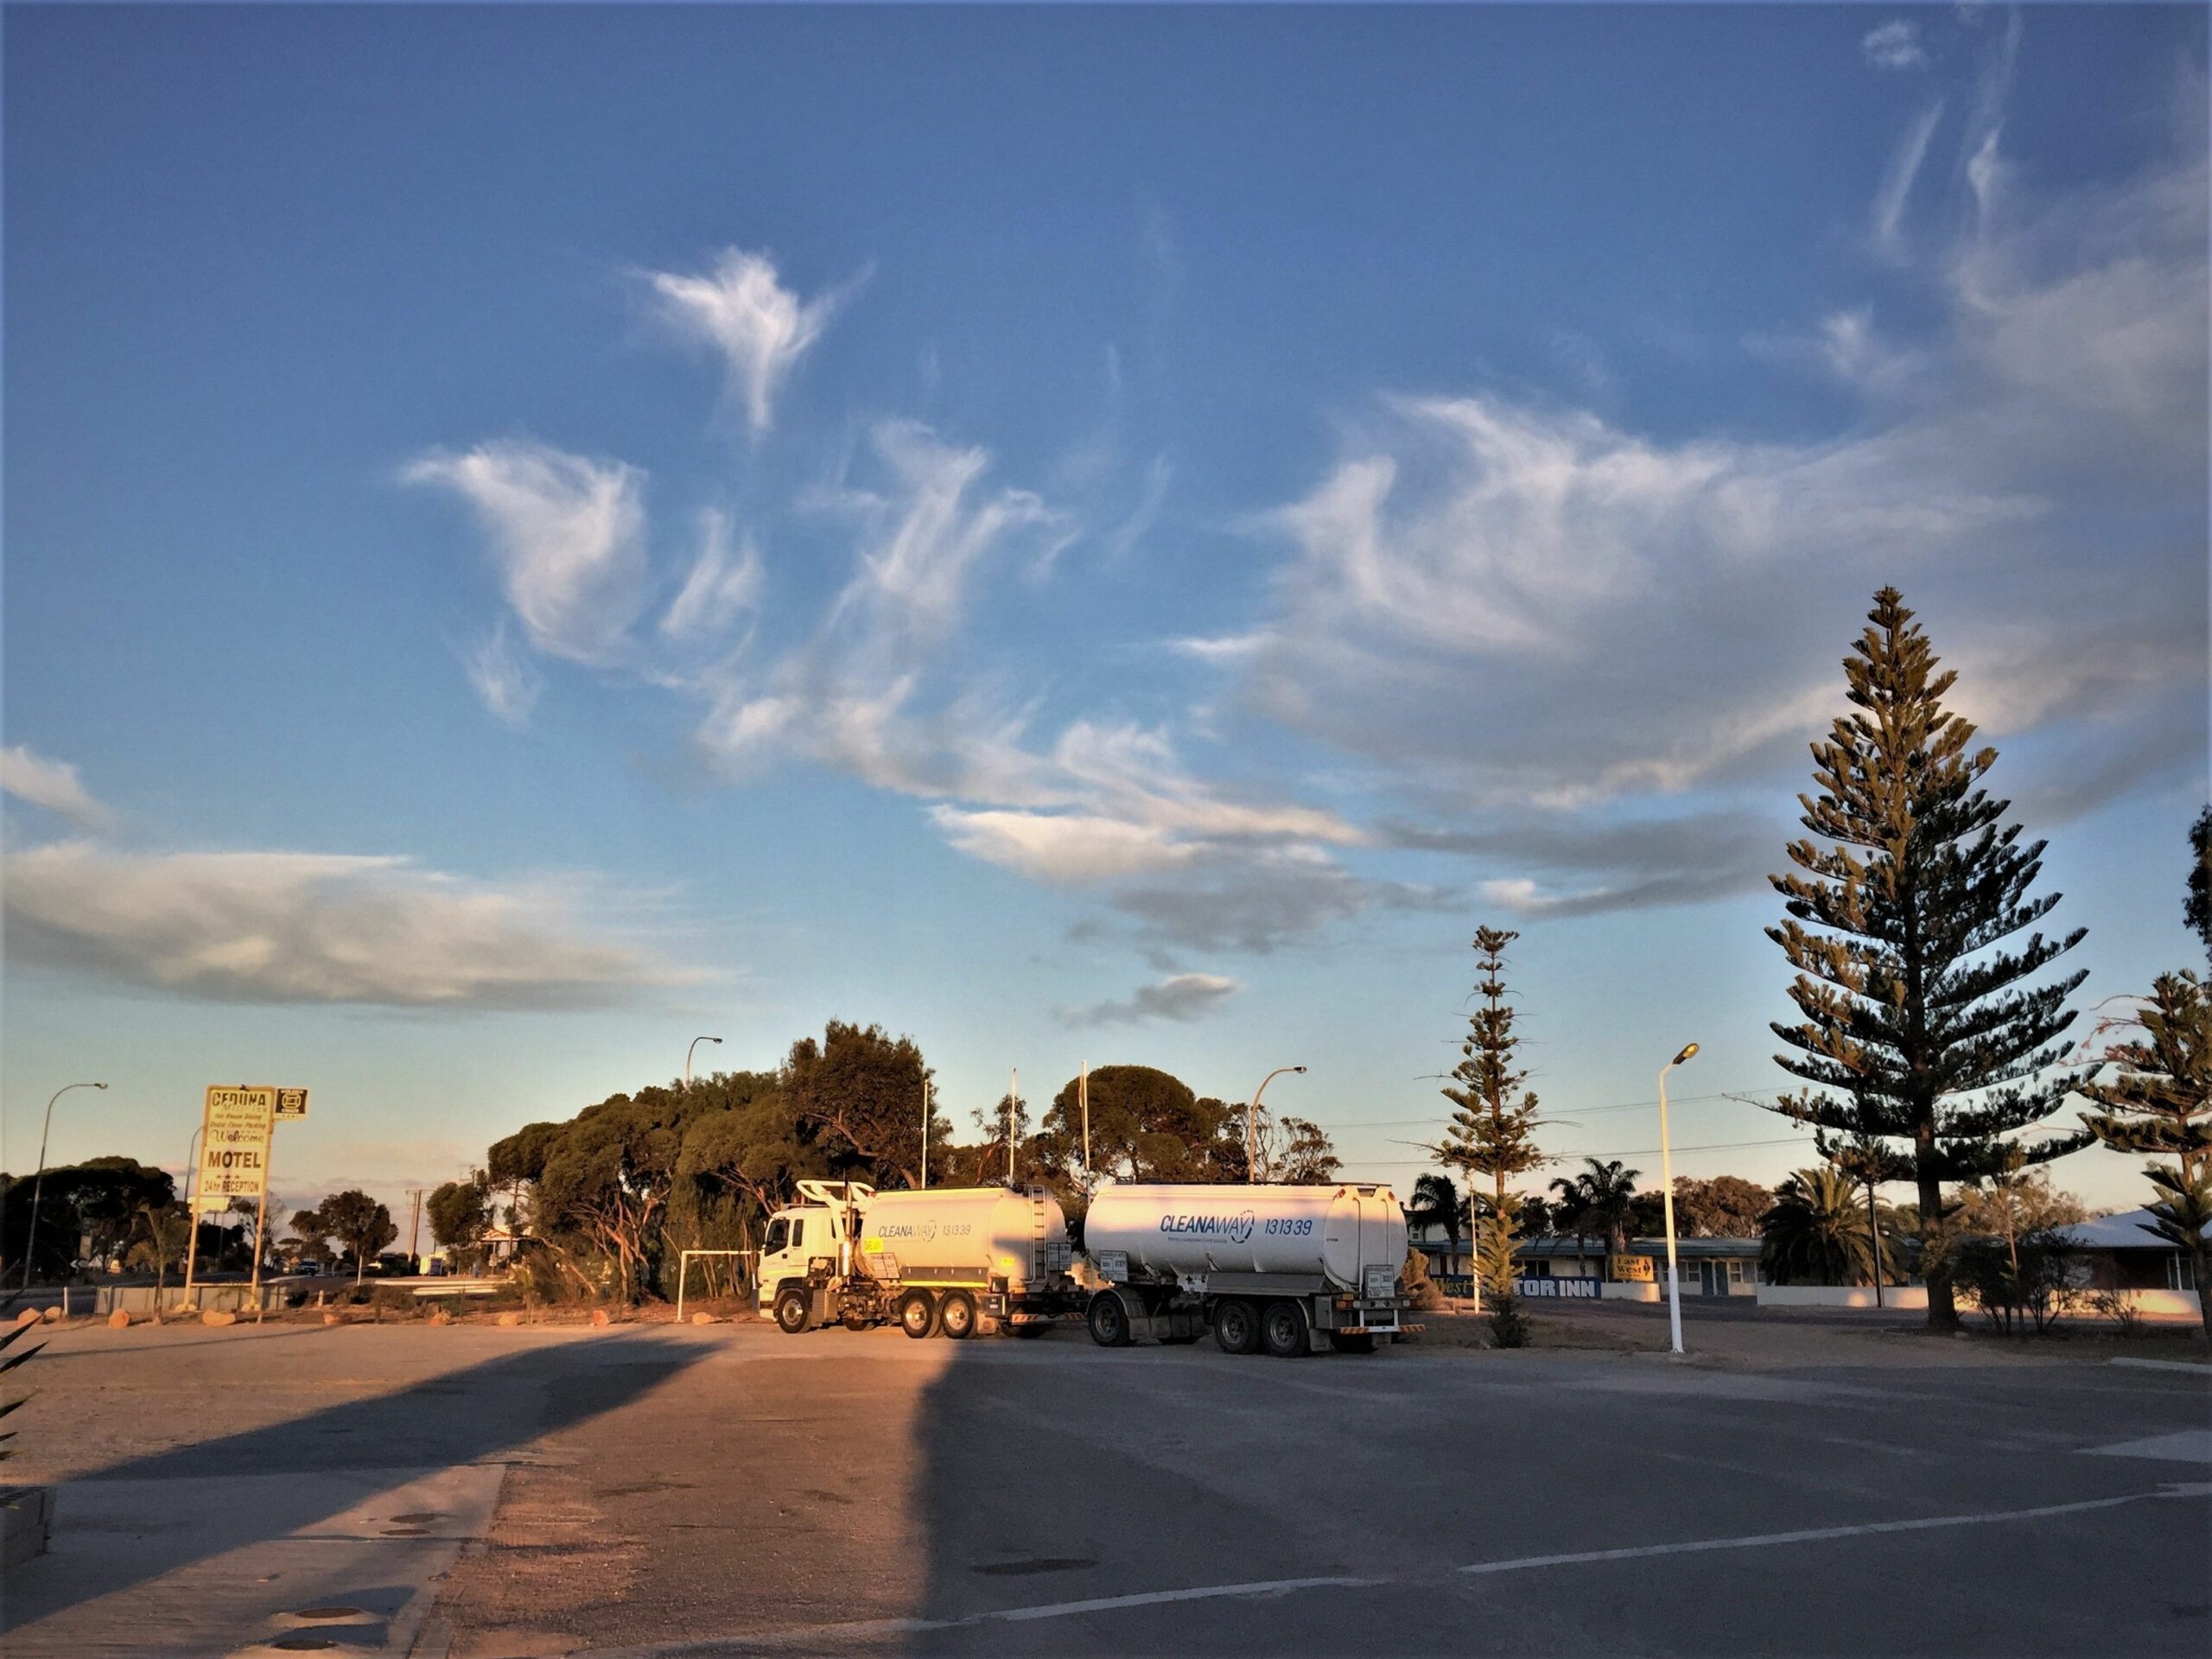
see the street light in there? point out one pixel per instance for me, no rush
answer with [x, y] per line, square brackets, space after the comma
[1667, 1193]
[1252, 1119]
[39, 1186]
[688, 1053]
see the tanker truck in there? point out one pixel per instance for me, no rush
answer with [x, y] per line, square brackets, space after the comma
[938, 1262]
[1282, 1269]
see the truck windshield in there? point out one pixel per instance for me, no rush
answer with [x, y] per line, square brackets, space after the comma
[779, 1233]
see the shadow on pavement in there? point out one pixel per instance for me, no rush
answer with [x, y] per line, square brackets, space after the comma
[465, 1416]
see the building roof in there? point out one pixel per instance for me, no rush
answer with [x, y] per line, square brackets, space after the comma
[2127, 1231]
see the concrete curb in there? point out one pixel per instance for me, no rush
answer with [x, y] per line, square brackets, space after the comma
[26, 1523]
[2189, 1365]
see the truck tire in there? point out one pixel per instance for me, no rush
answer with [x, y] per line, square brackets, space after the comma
[955, 1316]
[792, 1313]
[1236, 1326]
[1282, 1329]
[918, 1314]
[1352, 1342]
[1109, 1321]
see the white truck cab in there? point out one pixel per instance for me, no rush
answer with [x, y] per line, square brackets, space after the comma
[939, 1261]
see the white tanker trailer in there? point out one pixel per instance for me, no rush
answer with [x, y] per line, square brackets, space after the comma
[1278, 1268]
[938, 1261]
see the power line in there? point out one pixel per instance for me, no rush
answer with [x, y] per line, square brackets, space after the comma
[1608, 1151]
[1578, 1111]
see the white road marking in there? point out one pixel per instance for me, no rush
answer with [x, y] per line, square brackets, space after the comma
[862, 1630]
[2190, 1445]
[1815, 1534]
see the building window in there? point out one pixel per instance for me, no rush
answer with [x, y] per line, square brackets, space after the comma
[1735, 1272]
[2181, 1272]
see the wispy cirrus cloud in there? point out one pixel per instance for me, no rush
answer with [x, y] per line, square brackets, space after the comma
[856, 695]
[1886, 216]
[567, 534]
[1894, 45]
[1179, 997]
[282, 927]
[503, 681]
[741, 309]
[723, 585]
[51, 785]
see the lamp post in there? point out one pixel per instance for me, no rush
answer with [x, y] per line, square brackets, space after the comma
[39, 1186]
[1666, 1194]
[688, 1053]
[1252, 1120]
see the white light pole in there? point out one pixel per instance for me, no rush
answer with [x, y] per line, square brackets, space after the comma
[1666, 1194]
[688, 1053]
[39, 1186]
[1252, 1121]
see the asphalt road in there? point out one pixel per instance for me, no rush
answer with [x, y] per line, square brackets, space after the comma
[728, 1490]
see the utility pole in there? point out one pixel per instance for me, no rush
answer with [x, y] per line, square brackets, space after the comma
[1083, 1093]
[1873, 1236]
[925, 1132]
[1667, 1186]
[413, 1225]
[1012, 1098]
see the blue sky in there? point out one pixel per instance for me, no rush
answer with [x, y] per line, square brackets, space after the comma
[1081, 534]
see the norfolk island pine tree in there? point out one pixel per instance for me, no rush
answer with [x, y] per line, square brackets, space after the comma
[1491, 1133]
[1915, 1027]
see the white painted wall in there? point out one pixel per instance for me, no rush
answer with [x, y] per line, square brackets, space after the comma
[1841, 1296]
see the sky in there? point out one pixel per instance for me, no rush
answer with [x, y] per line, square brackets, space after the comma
[1107, 536]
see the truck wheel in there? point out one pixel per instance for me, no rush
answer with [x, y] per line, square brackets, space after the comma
[792, 1312]
[1236, 1326]
[856, 1321]
[955, 1317]
[1109, 1321]
[1282, 1328]
[1352, 1342]
[916, 1314]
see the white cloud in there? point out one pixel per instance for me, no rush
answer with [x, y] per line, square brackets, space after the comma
[1123, 538]
[853, 695]
[1070, 849]
[51, 785]
[311, 927]
[507, 686]
[741, 309]
[723, 585]
[1894, 45]
[568, 535]
[1495, 603]
[1181, 997]
[1896, 188]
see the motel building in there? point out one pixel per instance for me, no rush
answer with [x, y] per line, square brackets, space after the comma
[1570, 1267]
[2115, 1253]
[1710, 1267]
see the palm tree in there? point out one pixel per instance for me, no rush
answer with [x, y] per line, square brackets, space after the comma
[1436, 1198]
[1817, 1230]
[1598, 1200]
[166, 1229]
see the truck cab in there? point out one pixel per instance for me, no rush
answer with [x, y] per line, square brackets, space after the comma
[810, 1242]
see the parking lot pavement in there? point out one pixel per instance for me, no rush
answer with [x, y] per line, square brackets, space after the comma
[730, 1490]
